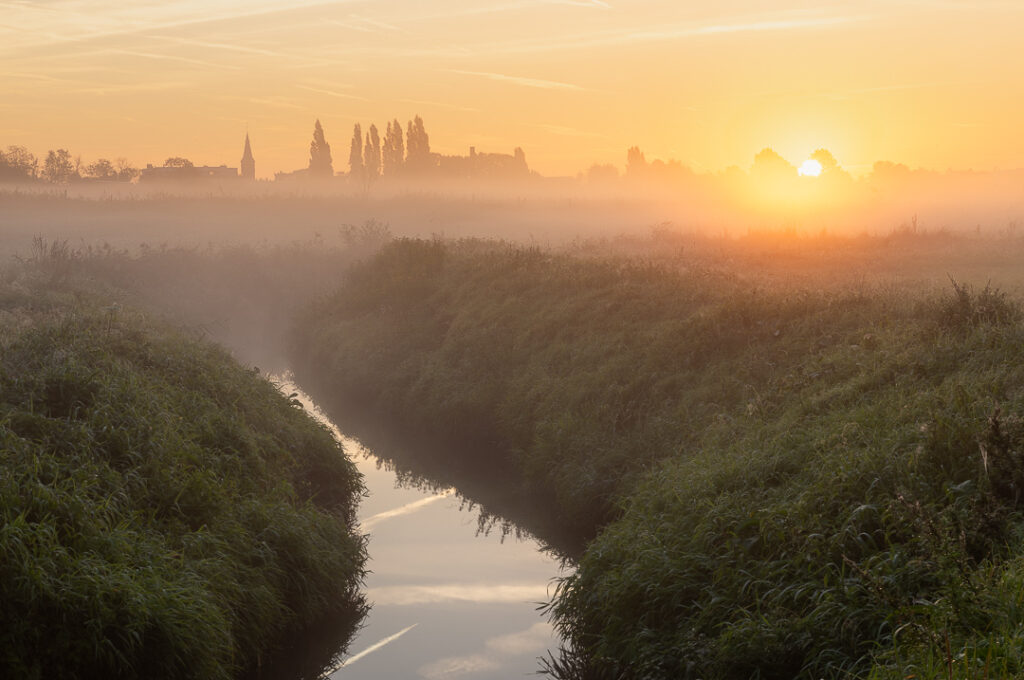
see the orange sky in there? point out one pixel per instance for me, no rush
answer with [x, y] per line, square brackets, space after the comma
[933, 83]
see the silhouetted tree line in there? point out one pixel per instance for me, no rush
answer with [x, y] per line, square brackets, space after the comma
[371, 156]
[768, 166]
[18, 164]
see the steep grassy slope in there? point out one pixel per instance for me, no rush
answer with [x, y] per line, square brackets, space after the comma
[783, 482]
[164, 513]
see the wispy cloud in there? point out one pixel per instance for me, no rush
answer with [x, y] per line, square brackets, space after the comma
[132, 87]
[370, 21]
[626, 37]
[523, 642]
[583, 3]
[176, 58]
[406, 509]
[846, 94]
[758, 26]
[458, 592]
[567, 131]
[458, 666]
[364, 24]
[843, 94]
[333, 93]
[439, 105]
[517, 80]
[478, 9]
[692, 31]
[534, 640]
[275, 102]
[595, 39]
[34, 76]
[119, 20]
[220, 46]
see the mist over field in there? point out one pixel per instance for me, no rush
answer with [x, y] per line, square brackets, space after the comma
[770, 198]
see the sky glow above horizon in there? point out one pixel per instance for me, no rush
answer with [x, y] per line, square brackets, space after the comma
[930, 83]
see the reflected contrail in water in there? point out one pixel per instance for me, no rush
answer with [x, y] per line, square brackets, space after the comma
[404, 509]
[369, 650]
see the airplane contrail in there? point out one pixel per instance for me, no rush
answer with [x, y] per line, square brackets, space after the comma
[404, 509]
[369, 650]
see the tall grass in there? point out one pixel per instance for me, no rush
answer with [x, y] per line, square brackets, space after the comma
[164, 513]
[781, 481]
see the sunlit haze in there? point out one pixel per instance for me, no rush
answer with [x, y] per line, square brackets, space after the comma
[936, 84]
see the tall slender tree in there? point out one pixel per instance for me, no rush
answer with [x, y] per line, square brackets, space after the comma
[636, 163]
[394, 149]
[320, 163]
[418, 146]
[372, 153]
[355, 153]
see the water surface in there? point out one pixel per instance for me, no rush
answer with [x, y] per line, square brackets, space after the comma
[448, 601]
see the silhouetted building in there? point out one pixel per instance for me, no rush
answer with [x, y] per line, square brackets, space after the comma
[293, 176]
[248, 162]
[484, 165]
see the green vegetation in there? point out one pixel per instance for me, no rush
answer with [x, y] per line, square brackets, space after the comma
[781, 481]
[164, 513]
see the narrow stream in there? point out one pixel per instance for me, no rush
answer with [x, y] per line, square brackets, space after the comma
[447, 601]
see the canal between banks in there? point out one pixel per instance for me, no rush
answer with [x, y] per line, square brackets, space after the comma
[448, 600]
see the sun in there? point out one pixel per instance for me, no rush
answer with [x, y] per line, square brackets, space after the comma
[810, 168]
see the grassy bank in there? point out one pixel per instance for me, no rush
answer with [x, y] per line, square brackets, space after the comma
[783, 481]
[164, 513]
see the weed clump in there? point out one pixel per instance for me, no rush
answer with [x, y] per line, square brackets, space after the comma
[967, 308]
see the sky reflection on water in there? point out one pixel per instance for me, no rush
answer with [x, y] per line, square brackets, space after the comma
[447, 601]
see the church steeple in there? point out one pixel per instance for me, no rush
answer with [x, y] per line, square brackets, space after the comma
[248, 162]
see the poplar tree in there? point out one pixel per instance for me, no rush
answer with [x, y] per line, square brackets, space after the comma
[320, 163]
[355, 154]
[372, 153]
[418, 146]
[394, 149]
